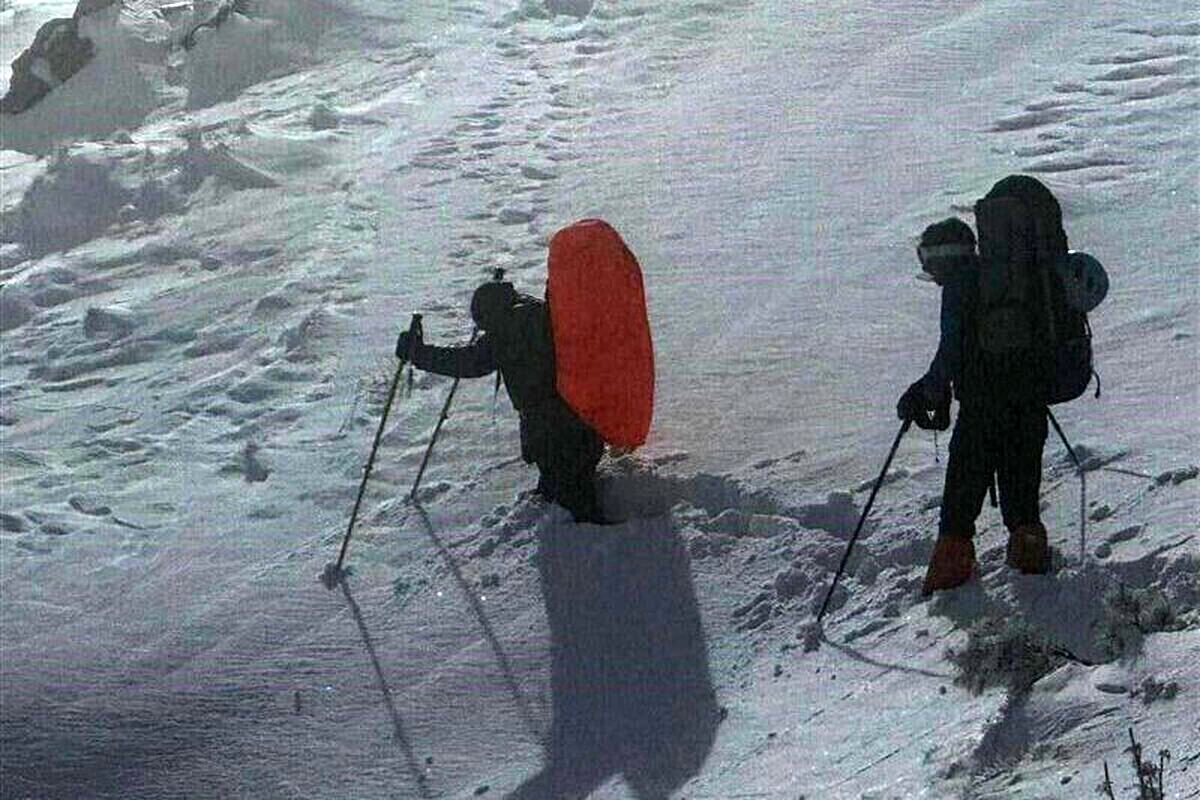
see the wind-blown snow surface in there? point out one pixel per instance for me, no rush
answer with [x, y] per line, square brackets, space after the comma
[197, 314]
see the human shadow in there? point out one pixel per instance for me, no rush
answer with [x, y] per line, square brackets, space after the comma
[632, 693]
[398, 732]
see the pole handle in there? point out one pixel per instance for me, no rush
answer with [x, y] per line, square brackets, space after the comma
[415, 330]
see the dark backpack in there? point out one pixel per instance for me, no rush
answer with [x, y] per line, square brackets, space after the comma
[1022, 317]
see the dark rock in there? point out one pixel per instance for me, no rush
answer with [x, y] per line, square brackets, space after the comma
[790, 583]
[216, 20]
[745, 608]
[487, 547]
[16, 308]
[11, 523]
[109, 322]
[757, 617]
[705, 545]
[810, 634]
[86, 7]
[1185, 474]
[1177, 476]
[57, 53]
[1152, 690]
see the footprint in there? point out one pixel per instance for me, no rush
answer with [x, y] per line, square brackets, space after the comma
[1147, 69]
[11, 523]
[515, 216]
[536, 172]
[1032, 119]
[89, 505]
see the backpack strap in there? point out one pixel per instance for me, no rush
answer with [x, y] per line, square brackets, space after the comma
[1045, 265]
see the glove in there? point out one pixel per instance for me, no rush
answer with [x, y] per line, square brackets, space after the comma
[408, 342]
[913, 404]
[929, 409]
[938, 416]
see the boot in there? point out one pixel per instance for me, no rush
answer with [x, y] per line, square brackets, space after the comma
[1028, 551]
[951, 564]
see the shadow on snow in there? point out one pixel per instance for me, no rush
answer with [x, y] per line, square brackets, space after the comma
[632, 693]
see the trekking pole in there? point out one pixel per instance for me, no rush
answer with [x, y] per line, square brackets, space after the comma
[333, 571]
[866, 510]
[1082, 486]
[438, 428]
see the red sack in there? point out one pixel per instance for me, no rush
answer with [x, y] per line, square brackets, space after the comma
[602, 349]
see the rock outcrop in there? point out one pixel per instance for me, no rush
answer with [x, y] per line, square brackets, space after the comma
[58, 52]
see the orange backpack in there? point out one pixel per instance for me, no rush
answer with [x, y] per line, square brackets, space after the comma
[603, 355]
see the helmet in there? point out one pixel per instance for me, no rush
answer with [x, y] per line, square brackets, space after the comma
[945, 246]
[491, 302]
[1085, 283]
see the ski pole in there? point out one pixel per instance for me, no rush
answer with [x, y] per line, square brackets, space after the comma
[1063, 436]
[866, 510]
[333, 571]
[1082, 486]
[438, 428]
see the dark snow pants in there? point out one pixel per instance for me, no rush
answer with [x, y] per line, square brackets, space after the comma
[1004, 440]
[566, 451]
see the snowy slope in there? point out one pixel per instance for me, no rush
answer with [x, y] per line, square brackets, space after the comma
[196, 320]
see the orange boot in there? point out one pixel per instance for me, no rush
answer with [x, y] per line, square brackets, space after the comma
[1028, 551]
[951, 564]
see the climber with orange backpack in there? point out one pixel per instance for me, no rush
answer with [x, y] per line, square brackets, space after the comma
[577, 366]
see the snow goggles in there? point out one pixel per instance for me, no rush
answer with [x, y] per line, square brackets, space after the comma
[934, 257]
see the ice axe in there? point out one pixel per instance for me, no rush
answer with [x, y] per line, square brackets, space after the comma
[866, 510]
[333, 574]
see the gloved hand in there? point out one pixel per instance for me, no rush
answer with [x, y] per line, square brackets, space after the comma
[913, 404]
[928, 407]
[938, 416]
[408, 342]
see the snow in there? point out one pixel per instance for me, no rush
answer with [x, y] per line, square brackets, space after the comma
[207, 254]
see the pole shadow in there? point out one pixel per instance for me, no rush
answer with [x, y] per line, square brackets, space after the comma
[887, 666]
[520, 701]
[410, 758]
[632, 691]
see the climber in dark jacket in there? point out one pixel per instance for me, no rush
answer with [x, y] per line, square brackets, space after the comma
[516, 339]
[947, 254]
[1001, 427]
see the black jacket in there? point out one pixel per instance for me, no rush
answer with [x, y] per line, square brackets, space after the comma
[520, 345]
